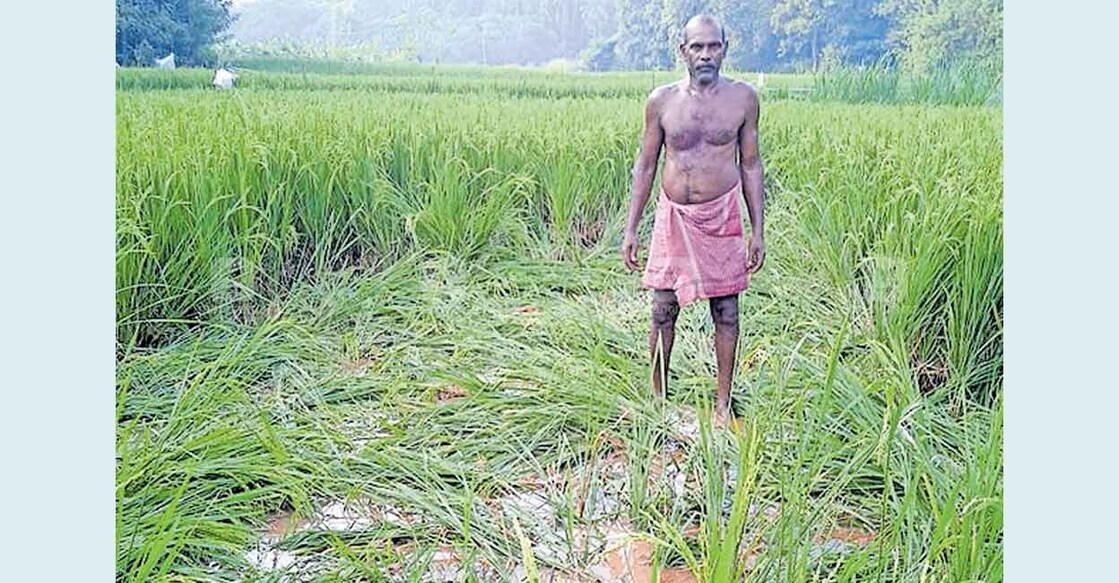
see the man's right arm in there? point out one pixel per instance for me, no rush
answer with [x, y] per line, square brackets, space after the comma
[644, 171]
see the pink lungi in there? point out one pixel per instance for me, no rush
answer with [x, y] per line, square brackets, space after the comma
[698, 250]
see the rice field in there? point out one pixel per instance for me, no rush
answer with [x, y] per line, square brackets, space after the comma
[375, 327]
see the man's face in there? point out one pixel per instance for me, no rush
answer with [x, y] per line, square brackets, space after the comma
[703, 52]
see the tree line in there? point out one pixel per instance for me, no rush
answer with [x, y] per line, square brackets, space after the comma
[147, 29]
[601, 35]
[782, 35]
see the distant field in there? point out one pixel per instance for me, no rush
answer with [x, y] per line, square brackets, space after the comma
[372, 325]
[438, 79]
[280, 65]
[963, 84]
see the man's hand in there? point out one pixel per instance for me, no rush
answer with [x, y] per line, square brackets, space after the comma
[756, 256]
[629, 251]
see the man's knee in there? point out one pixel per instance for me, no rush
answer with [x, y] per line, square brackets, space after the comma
[665, 310]
[724, 312]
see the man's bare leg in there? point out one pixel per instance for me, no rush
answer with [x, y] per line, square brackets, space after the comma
[661, 334]
[724, 312]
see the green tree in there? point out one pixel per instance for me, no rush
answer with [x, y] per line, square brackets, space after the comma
[932, 33]
[639, 41]
[752, 43]
[800, 23]
[845, 30]
[600, 55]
[673, 15]
[148, 28]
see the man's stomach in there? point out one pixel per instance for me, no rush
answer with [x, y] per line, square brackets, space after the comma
[696, 179]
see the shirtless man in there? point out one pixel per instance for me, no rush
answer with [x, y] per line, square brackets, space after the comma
[708, 125]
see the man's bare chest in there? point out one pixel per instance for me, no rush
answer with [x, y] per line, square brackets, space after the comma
[688, 127]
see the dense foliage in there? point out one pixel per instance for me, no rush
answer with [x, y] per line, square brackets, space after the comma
[150, 29]
[765, 35]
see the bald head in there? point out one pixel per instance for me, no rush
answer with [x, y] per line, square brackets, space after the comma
[700, 22]
[703, 47]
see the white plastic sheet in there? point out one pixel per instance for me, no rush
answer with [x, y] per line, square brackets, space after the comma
[224, 78]
[167, 62]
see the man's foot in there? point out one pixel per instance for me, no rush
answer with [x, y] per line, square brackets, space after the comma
[725, 420]
[722, 416]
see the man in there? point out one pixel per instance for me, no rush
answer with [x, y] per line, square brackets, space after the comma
[708, 126]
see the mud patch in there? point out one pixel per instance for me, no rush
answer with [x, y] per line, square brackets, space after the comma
[339, 516]
[449, 393]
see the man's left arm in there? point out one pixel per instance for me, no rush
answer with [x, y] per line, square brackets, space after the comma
[752, 181]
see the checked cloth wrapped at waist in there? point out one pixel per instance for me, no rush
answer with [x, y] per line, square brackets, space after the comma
[698, 250]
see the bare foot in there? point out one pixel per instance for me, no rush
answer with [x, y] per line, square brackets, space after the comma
[725, 420]
[721, 418]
